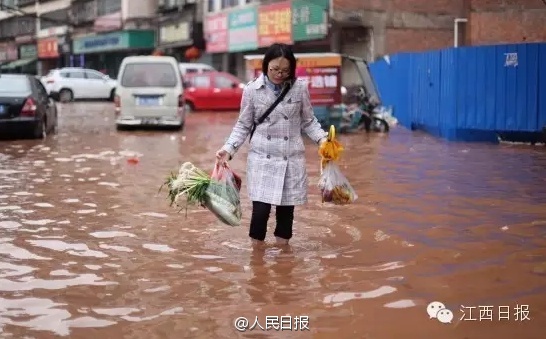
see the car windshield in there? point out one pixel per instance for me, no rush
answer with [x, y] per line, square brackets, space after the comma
[147, 74]
[14, 84]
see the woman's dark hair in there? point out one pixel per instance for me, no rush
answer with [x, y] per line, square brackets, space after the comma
[276, 51]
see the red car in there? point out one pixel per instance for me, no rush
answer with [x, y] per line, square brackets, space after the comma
[212, 91]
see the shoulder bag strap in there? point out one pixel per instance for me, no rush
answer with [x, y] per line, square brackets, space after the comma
[269, 110]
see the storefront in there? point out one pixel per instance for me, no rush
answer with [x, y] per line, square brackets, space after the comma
[104, 52]
[252, 29]
[8, 53]
[28, 54]
[48, 54]
[178, 33]
[52, 44]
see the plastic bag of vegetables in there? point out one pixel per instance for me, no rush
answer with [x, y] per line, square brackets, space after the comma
[219, 193]
[334, 186]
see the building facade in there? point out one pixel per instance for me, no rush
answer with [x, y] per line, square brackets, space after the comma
[106, 31]
[180, 27]
[235, 28]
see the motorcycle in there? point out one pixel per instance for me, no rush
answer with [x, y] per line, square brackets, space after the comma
[363, 109]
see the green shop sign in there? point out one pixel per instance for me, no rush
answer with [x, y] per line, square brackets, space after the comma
[309, 19]
[28, 52]
[243, 29]
[114, 42]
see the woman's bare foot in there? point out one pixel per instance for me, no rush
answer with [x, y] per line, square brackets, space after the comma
[256, 244]
[281, 241]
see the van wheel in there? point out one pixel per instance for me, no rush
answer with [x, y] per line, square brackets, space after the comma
[112, 94]
[188, 107]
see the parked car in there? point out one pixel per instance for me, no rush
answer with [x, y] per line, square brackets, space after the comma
[190, 67]
[213, 91]
[149, 92]
[69, 83]
[25, 107]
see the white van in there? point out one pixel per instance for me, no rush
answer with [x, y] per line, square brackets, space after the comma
[149, 92]
[190, 67]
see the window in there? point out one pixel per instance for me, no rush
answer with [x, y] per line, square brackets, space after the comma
[159, 74]
[108, 6]
[23, 3]
[14, 84]
[202, 81]
[229, 3]
[94, 75]
[41, 90]
[76, 75]
[222, 82]
[54, 19]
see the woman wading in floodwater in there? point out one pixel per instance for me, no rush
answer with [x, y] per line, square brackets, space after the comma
[276, 173]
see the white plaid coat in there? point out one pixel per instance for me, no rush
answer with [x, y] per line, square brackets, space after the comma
[276, 172]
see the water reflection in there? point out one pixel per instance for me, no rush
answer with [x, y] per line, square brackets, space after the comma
[86, 242]
[273, 280]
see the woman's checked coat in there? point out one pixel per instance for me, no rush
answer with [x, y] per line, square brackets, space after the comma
[276, 171]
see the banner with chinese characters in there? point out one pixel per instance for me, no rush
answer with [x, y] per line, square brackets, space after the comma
[324, 84]
[275, 24]
[216, 33]
[243, 29]
[309, 19]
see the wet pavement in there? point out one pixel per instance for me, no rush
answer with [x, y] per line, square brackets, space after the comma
[89, 248]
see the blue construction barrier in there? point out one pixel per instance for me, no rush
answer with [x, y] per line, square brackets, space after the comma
[468, 93]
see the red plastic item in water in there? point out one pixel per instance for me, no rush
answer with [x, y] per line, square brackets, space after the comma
[133, 161]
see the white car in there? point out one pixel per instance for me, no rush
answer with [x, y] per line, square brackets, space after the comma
[67, 84]
[149, 92]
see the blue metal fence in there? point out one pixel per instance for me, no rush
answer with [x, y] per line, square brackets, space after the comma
[467, 93]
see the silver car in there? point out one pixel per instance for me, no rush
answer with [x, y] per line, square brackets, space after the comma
[149, 92]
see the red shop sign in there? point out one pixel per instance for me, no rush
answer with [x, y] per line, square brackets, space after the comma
[275, 24]
[48, 48]
[216, 33]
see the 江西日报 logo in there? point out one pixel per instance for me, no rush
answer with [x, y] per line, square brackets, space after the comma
[438, 310]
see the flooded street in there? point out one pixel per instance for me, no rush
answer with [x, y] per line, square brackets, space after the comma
[89, 248]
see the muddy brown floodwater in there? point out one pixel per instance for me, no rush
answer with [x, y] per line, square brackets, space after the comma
[88, 249]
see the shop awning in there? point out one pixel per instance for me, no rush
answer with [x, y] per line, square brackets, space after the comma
[18, 63]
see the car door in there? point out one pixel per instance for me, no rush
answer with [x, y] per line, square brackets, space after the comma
[201, 92]
[98, 84]
[45, 103]
[77, 83]
[224, 92]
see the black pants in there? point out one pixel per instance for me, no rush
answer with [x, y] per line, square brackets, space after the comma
[260, 216]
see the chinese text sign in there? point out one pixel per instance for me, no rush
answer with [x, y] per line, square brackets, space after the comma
[243, 30]
[275, 24]
[216, 33]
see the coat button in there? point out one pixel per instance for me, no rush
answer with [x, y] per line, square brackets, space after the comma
[268, 156]
[269, 137]
[285, 118]
[285, 158]
[285, 138]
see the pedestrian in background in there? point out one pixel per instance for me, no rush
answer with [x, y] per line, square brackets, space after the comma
[276, 173]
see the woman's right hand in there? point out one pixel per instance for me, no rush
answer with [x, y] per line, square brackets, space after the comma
[222, 155]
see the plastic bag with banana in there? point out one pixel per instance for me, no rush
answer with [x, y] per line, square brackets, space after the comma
[334, 186]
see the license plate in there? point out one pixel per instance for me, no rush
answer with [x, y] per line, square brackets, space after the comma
[150, 121]
[2, 109]
[148, 101]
